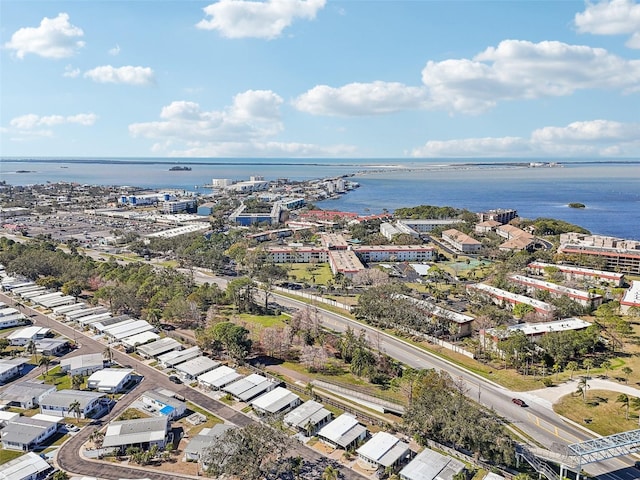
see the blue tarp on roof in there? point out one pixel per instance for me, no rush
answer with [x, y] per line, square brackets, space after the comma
[167, 410]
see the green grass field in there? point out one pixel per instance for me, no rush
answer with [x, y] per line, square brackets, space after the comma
[318, 274]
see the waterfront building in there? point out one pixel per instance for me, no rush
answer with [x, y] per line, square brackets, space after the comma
[584, 298]
[461, 241]
[501, 215]
[616, 254]
[221, 182]
[571, 272]
[417, 226]
[482, 228]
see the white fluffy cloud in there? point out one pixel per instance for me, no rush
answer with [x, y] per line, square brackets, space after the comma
[361, 99]
[244, 128]
[115, 51]
[70, 72]
[31, 126]
[139, 76]
[518, 69]
[611, 17]
[596, 138]
[514, 70]
[54, 38]
[31, 120]
[253, 19]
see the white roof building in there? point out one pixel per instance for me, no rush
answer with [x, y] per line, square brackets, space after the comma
[196, 366]
[26, 433]
[143, 432]
[308, 417]
[10, 368]
[27, 334]
[631, 297]
[205, 439]
[82, 364]
[109, 380]
[163, 345]
[140, 339]
[431, 465]
[25, 394]
[57, 403]
[384, 450]
[119, 331]
[278, 400]
[343, 432]
[250, 387]
[218, 378]
[27, 467]
[175, 357]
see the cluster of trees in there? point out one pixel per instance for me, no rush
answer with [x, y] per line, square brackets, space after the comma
[554, 351]
[384, 307]
[234, 339]
[441, 411]
[551, 226]
[263, 451]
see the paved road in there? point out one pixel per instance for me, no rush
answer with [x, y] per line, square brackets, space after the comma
[68, 456]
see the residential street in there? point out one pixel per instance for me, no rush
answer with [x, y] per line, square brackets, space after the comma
[68, 456]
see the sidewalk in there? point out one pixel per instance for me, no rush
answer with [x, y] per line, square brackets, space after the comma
[549, 395]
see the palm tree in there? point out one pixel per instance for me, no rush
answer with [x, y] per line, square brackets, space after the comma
[330, 473]
[296, 466]
[77, 381]
[556, 368]
[588, 364]
[623, 398]
[572, 367]
[583, 386]
[635, 404]
[606, 364]
[108, 354]
[627, 371]
[75, 409]
[45, 362]
[60, 475]
[31, 348]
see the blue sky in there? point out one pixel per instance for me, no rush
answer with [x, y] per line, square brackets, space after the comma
[320, 78]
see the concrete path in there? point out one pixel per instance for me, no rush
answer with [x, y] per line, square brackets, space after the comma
[549, 395]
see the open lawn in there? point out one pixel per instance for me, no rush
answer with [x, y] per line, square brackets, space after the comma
[57, 377]
[605, 414]
[264, 320]
[8, 455]
[318, 274]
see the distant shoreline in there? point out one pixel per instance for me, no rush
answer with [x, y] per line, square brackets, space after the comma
[367, 163]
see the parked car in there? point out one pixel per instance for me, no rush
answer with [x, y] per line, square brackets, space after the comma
[71, 427]
[174, 379]
[519, 402]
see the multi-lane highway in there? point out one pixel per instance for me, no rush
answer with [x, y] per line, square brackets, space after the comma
[537, 421]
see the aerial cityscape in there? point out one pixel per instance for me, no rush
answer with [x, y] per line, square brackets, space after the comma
[312, 239]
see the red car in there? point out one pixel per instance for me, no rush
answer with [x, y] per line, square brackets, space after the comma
[519, 402]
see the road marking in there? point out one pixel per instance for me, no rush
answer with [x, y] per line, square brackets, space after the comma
[553, 429]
